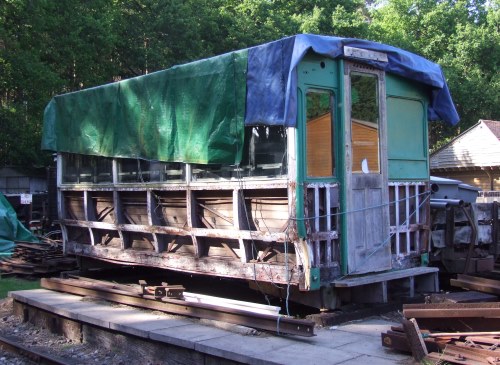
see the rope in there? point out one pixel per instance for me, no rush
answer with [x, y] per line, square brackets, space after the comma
[388, 239]
[360, 210]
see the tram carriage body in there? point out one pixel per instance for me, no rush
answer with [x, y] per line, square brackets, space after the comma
[313, 178]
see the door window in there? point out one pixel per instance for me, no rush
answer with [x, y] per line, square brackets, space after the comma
[365, 137]
[320, 156]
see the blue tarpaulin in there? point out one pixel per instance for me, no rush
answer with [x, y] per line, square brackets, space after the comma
[272, 76]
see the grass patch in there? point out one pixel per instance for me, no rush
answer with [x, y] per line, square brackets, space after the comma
[13, 283]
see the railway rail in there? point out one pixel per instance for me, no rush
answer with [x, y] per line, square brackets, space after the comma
[129, 295]
[14, 347]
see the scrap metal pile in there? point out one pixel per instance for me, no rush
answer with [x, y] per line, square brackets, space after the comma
[452, 333]
[45, 257]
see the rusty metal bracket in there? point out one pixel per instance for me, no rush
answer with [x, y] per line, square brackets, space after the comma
[163, 290]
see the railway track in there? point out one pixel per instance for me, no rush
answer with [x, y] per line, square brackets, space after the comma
[14, 347]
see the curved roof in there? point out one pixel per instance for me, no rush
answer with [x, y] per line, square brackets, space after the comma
[272, 77]
[196, 112]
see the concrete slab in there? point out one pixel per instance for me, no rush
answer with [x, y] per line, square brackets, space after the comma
[142, 324]
[375, 360]
[369, 326]
[72, 310]
[372, 346]
[273, 350]
[305, 353]
[353, 343]
[242, 348]
[187, 336]
[23, 295]
[101, 315]
[333, 338]
[43, 299]
[42, 296]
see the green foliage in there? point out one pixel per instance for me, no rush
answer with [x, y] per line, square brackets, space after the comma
[463, 37]
[48, 47]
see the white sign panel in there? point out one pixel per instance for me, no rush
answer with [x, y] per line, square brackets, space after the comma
[26, 198]
[365, 54]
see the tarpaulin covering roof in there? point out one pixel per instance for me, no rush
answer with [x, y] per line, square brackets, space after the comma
[272, 80]
[189, 113]
[10, 228]
[196, 112]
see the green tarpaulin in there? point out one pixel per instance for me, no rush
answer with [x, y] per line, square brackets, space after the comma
[190, 113]
[10, 228]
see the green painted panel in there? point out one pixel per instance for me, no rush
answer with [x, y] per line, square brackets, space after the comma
[398, 86]
[314, 72]
[317, 70]
[408, 170]
[406, 120]
[407, 129]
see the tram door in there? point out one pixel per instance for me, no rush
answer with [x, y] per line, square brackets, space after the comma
[366, 195]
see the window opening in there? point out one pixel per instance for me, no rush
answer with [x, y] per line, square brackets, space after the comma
[264, 155]
[320, 156]
[365, 123]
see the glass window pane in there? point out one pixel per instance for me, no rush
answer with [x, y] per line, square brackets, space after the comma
[264, 151]
[365, 123]
[319, 134]
[143, 171]
[70, 168]
[104, 170]
[86, 169]
[264, 155]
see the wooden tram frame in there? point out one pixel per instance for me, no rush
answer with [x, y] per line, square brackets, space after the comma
[284, 231]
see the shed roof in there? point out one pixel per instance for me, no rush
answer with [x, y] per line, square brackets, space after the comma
[477, 147]
[494, 126]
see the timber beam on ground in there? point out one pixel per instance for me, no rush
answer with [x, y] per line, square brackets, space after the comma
[130, 296]
[453, 310]
[477, 283]
[455, 316]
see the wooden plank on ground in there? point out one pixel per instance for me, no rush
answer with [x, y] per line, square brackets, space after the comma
[415, 339]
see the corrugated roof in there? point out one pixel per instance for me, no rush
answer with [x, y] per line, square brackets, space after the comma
[494, 127]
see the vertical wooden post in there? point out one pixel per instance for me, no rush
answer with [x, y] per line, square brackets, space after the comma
[153, 219]
[61, 211]
[417, 217]
[120, 219]
[88, 206]
[450, 227]
[238, 221]
[192, 220]
[396, 216]
[327, 204]
[317, 250]
[407, 217]
[494, 230]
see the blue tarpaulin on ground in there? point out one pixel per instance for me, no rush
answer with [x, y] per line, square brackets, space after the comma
[272, 76]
